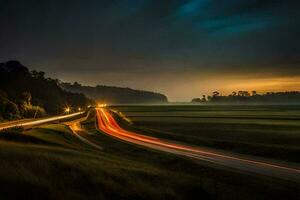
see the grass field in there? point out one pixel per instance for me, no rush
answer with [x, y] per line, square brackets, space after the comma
[50, 162]
[267, 131]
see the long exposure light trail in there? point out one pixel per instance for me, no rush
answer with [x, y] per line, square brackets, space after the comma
[109, 125]
[39, 122]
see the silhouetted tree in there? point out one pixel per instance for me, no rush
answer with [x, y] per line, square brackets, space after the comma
[41, 93]
[243, 93]
[216, 94]
[26, 98]
[11, 111]
[38, 75]
[233, 94]
[292, 97]
[76, 85]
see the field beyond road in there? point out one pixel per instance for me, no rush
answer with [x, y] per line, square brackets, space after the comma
[267, 131]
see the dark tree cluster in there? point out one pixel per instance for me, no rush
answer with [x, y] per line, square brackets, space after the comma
[291, 97]
[116, 95]
[25, 93]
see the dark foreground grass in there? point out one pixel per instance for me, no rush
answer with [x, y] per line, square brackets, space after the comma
[266, 131]
[50, 163]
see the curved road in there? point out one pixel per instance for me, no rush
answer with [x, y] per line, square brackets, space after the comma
[76, 128]
[108, 125]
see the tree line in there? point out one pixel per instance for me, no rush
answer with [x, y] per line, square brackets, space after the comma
[116, 95]
[25, 93]
[288, 97]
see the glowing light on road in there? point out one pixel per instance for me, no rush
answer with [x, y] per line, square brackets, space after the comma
[103, 105]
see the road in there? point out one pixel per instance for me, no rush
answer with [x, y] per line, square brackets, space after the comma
[77, 129]
[36, 122]
[108, 125]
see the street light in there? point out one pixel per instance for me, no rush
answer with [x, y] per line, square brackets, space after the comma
[67, 110]
[101, 105]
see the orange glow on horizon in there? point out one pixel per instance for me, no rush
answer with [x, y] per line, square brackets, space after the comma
[265, 85]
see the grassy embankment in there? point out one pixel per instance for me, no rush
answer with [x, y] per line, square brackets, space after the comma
[267, 131]
[49, 162]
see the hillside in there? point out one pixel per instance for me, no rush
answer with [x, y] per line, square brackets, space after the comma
[23, 93]
[116, 94]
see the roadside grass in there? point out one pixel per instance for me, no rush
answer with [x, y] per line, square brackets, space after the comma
[266, 131]
[221, 183]
[49, 162]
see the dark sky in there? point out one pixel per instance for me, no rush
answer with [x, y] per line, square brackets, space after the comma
[183, 48]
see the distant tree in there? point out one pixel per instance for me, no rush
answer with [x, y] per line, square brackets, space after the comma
[41, 74]
[34, 73]
[216, 94]
[291, 97]
[199, 100]
[76, 84]
[37, 75]
[203, 98]
[243, 94]
[233, 94]
[26, 98]
[11, 111]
